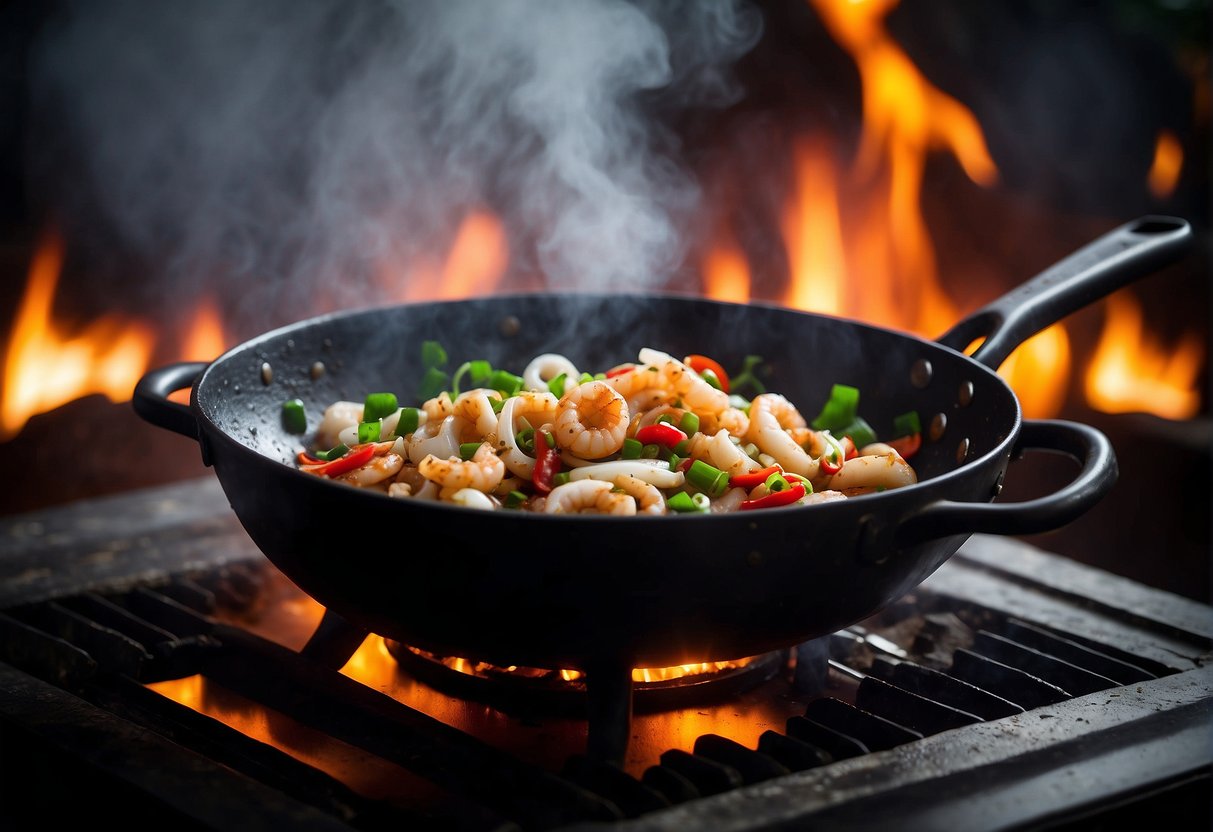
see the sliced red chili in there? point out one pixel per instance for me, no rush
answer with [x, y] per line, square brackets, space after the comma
[357, 457]
[907, 446]
[699, 363]
[660, 433]
[848, 448]
[547, 463]
[620, 370]
[775, 498]
[753, 478]
[829, 466]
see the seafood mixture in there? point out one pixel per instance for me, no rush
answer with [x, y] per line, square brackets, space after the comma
[659, 435]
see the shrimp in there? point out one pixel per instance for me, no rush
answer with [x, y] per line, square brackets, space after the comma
[538, 409]
[439, 407]
[474, 415]
[588, 497]
[483, 472]
[648, 497]
[643, 388]
[732, 419]
[873, 471]
[338, 416]
[772, 417]
[382, 467]
[695, 393]
[591, 420]
[544, 368]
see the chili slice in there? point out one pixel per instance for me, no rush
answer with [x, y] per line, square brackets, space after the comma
[356, 458]
[753, 478]
[907, 446]
[547, 462]
[660, 433]
[775, 498]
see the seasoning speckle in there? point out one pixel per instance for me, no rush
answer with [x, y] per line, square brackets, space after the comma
[317, 370]
[267, 373]
[510, 326]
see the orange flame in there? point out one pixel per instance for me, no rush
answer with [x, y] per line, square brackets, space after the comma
[475, 264]
[1168, 161]
[204, 340]
[1131, 373]
[45, 368]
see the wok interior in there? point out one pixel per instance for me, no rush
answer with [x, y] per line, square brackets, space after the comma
[803, 356]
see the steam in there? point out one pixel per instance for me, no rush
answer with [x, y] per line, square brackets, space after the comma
[287, 149]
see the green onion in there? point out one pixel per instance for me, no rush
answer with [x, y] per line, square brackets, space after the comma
[432, 355]
[683, 447]
[776, 482]
[708, 478]
[433, 383]
[556, 385]
[808, 486]
[675, 460]
[739, 402]
[467, 450]
[478, 373]
[514, 499]
[689, 423]
[712, 379]
[668, 418]
[684, 503]
[701, 501]
[907, 424]
[560, 478]
[632, 448]
[369, 431]
[861, 432]
[294, 418]
[839, 410]
[650, 451]
[332, 453]
[378, 405]
[506, 382]
[525, 440]
[496, 404]
[410, 418]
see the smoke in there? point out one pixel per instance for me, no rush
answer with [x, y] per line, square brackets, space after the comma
[285, 149]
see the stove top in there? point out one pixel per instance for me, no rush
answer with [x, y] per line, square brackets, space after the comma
[152, 668]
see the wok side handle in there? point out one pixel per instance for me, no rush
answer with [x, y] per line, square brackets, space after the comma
[1101, 267]
[1099, 472]
[151, 397]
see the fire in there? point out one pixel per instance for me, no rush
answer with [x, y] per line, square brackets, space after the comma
[1168, 161]
[1132, 373]
[204, 340]
[46, 367]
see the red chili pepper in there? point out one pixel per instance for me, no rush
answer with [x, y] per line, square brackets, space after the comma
[547, 463]
[699, 363]
[907, 446]
[357, 457]
[828, 466]
[620, 370]
[753, 478]
[307, 459]
[775, 498]
[848, 448]
[660, 433]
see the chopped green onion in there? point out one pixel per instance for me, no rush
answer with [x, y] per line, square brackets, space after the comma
[410, 418]
[496, 404]
[433, 383]
[587, 377]
[432, 355]
[335, 452]
[701, 501]
[689, 423]
[684, 503]
[675, 460]
[506, 382]
[711, 378]
[294, 418]
[478, 373]
[739, 402]
[708, 478]
[369, 431]
[776, 482]
[556, 385]
[683, 447]
[668, 418]
[560, 478]
[632, 448]
[907, 424]
[514, 499]
[797, 478]
[650, 451]
[525, 439]
[467, 450]
[860, 431]
[378, 405]
[840, 410]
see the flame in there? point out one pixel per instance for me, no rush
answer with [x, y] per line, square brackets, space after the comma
[204, 340]
[475, 264]
[45, 367]
[1167, 164]
[726, 275]
[1132, 373]
[1039, 372]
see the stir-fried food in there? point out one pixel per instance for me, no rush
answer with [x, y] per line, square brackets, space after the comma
[659, 435]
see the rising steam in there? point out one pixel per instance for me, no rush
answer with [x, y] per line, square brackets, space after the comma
[285, 148]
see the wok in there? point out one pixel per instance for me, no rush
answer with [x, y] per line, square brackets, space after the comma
[592, 591]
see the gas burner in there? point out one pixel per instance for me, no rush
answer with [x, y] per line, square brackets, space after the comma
[564, 691]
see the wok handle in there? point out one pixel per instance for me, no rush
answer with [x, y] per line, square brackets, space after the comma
[151, 397]
[1101, 267]
[1099, 472]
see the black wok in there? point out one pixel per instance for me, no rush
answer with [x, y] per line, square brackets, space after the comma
[585, 591]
